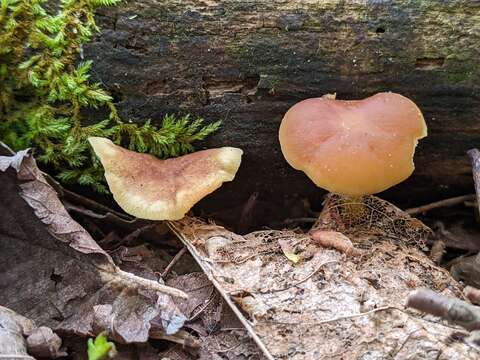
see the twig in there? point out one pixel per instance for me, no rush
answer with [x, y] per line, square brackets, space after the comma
[439, 204]
[454, 310]
[474, 156]
[135, 234]
[302, 280]
[129, 279]
[174, 261]
[15, 356]
[82, 211]
[300, 220]
[470, 203]
[89, 203]
[327, 321]
[79, 199]
[111, 217]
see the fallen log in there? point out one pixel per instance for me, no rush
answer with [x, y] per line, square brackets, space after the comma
[247, 62]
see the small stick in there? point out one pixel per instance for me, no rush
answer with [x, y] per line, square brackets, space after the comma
[474, 156]
[300, 220]
[81, 210]
[135, 234]
[439, 204]
[454, 310]
[129, 279]
[110, 217]
[174, 261]
[92, 204]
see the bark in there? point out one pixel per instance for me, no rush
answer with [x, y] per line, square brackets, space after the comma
[247, 62]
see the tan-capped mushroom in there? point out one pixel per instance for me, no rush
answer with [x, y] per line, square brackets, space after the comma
[353, 148]
[154, 189]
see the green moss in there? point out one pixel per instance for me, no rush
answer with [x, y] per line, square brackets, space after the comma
[44, 92]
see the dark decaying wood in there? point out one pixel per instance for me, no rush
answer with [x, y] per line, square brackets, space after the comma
[246, 62]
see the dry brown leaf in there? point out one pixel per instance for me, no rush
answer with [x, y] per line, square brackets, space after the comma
[220, 333]
[371, 219]
[148, 262]
[53, 272]
[329, 305]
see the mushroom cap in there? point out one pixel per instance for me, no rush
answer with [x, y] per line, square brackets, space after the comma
[154, 189]
[355, 147]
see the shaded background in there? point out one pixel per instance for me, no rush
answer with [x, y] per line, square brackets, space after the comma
[247, 62]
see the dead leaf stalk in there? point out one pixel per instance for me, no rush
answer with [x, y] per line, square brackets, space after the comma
[174, 261]
[129, 279]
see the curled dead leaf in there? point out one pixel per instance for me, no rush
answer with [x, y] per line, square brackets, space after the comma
[335, 240]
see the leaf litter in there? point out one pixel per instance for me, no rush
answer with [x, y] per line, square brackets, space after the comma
[53, 272]
[331, 304]
[337, 292]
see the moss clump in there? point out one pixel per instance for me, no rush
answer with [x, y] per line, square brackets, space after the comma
[43, 92]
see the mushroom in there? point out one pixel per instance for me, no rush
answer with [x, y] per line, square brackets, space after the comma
[353, 148]
[154, 189]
